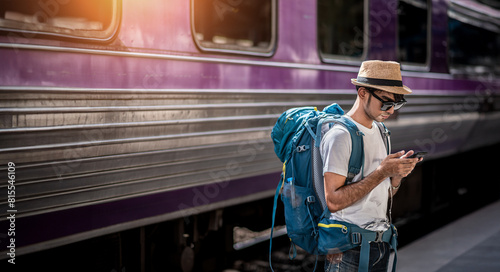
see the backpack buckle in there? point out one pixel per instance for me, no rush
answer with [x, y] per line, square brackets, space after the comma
[378, 236]
[356, 238]
[311, 199]
[302, 148]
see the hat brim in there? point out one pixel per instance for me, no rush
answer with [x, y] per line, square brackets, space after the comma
[391, 89]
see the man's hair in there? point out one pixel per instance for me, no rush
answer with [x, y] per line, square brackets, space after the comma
[397, 97]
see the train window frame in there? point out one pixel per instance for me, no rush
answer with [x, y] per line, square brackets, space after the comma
[236, 49]
[343, 59]
[417, 66]
[475, 19]
[30, 25]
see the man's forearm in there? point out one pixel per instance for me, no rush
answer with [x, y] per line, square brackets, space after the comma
[347, 195]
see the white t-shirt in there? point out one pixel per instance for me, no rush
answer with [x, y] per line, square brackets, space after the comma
[370, 211]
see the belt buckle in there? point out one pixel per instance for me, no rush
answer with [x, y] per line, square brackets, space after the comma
[379, 236]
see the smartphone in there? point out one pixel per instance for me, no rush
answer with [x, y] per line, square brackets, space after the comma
[418, 154]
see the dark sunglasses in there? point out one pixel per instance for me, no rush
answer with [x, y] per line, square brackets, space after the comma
[386, 105]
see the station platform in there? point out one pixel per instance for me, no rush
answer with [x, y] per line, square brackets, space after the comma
[471, 243]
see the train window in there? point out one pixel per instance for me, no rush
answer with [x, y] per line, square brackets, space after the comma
[473, 45]
[413, 33]
[235, 26]
[87, 19]
[341, 31]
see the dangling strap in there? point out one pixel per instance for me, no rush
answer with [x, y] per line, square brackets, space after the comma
[394, 245]
[364, 257]
[278, 189]
[389, 236]
[292, 252]
[309, 201]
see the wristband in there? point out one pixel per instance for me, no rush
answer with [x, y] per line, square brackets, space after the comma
[396, 187]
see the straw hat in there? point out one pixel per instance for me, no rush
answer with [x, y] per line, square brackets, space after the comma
[382, 75]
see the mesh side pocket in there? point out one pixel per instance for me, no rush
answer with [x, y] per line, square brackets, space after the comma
[299, 225]
[317, 175]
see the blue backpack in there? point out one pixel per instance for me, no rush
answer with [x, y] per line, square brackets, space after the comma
[297, 136]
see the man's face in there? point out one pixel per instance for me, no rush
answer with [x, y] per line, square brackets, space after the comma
[373, 105]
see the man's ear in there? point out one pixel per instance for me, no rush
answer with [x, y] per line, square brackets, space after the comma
[362, 92]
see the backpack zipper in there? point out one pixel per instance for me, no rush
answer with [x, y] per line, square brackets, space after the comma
[344, 228]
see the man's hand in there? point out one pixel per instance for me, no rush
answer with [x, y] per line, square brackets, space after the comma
[398, 164]
[339, 196]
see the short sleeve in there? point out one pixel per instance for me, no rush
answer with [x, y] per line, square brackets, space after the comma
[335, 150]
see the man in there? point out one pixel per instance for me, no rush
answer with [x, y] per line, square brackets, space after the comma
[364, 201]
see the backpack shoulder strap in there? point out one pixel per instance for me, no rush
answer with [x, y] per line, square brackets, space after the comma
[357, 155]
[386, 136]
